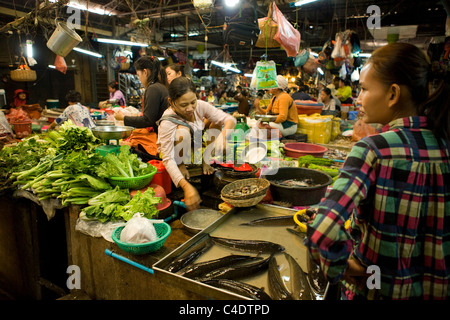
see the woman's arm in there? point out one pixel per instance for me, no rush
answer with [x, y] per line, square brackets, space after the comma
[284, 102]
[155, 104]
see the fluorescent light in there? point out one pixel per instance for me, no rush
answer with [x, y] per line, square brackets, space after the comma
[248, 75]
[314, 54]
[29, 49]
[225, 66]
[91, 53]
[126, 43]
[365, 55]
[51, 66]
[303, 2]
[231, 3]
[320, 70]
[91, 7]
[195, 69]
[161, 58]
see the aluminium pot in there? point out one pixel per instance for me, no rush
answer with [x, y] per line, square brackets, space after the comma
[298, 196]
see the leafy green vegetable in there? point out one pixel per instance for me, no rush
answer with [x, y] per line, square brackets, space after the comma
[96, 183]
[115, 195]
[142, 202]
[305, 161]
[75, 138]
[102, 212]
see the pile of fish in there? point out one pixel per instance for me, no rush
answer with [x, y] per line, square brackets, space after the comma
[304, 183]
[245, 190]
[227, 272]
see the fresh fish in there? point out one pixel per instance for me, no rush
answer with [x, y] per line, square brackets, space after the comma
[188, 257]
[238, 272]
[276, 285]
[315, 277]
[260, 246]
[272, 221]
[199, 269]
[300, 287]
[299, 234]
[244, 289]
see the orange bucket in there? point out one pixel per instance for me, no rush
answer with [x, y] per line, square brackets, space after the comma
[22, 129]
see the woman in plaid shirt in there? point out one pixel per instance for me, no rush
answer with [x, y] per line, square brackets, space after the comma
[394, 187]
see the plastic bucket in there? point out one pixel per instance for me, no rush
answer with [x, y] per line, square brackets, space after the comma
[22, 129]
[52, 103]
[63, 40]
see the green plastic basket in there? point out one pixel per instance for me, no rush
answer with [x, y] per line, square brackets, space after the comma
[135, 183]
[162, 231]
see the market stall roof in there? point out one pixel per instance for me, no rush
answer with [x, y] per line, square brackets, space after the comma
[167, 22]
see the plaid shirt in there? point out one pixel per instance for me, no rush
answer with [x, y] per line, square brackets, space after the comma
[395, 189]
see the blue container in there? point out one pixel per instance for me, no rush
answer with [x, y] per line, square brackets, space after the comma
[352, 115]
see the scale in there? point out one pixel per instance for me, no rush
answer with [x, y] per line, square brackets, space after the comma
[240, 129]
[109, 134]
[266, 118]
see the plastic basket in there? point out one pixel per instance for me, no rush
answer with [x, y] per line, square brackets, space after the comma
[163, 230]
[135, 183]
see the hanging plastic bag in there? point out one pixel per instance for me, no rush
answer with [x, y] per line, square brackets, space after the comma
[361, 130]
[287, 35]
[60, 64]
[311, 65]
[301, 58]
[139, 230]
[266, 75]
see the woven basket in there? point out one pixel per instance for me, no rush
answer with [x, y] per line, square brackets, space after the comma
[23, 75]
[268, 28]
[264, 184]
[243, 202]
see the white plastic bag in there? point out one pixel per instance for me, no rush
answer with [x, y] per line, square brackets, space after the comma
[139, 230]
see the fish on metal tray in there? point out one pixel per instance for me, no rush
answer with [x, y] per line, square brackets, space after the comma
[199, 269]
[277, 287]
[258, 246]
[315, 276]
[188, 257]
[300, 288]
[271, 221]
[237, 272]
[299, 234]
[296, 183]
[244, 289]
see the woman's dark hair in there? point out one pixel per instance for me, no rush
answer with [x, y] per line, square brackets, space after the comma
[157, 73]
[327, 91]
[177, 68]
[114, 85]
[405, 64]
[180, 86]
[73, 96]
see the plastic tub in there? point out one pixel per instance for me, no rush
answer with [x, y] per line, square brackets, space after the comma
[308, 107]
[298, 149]
[52, 103]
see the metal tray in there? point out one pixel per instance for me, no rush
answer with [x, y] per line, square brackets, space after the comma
[266, 117]
[228, 226]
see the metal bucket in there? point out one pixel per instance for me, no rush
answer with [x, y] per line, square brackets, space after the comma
[63, 39]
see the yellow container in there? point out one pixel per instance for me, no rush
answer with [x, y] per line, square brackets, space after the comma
[335, 128]
[317, 128]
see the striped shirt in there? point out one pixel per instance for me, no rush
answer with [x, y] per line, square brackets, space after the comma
[395, 189]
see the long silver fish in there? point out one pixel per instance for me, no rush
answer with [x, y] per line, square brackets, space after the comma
[315, 277]
[237, 272]
[300, 287]
[258, 246]
[276, 285]
[199, 269]
[272, 221]
[244, 289]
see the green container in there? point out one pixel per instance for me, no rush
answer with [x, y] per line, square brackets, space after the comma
[104, 150]
[134, 183]
[163, 230]
[51, 104]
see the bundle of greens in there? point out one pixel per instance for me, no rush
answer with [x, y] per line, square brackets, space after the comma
[71, 137]
[125, 164]
[321, 164]
[116, 205]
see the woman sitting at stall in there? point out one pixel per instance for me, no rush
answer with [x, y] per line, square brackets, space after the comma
[344, 92]
[284, 107]
[329, 104]
[154, 103]
[76, 112]
[115, 95]
[181, 122]
[19, 108]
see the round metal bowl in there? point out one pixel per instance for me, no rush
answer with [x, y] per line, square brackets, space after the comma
[112, 132]
[197, 220]
[104, 123]
[266, 117]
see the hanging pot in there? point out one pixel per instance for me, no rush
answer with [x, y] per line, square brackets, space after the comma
[63, 39]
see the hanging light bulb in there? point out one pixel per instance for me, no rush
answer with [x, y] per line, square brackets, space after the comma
[231, 3]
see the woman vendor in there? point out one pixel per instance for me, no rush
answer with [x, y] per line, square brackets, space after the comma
[20, 105]
[173, 71]
[284, 107]
[114, 94]
[393, 187]
[181, 122]
[153, 78]
[344, 92]
[329, 104]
